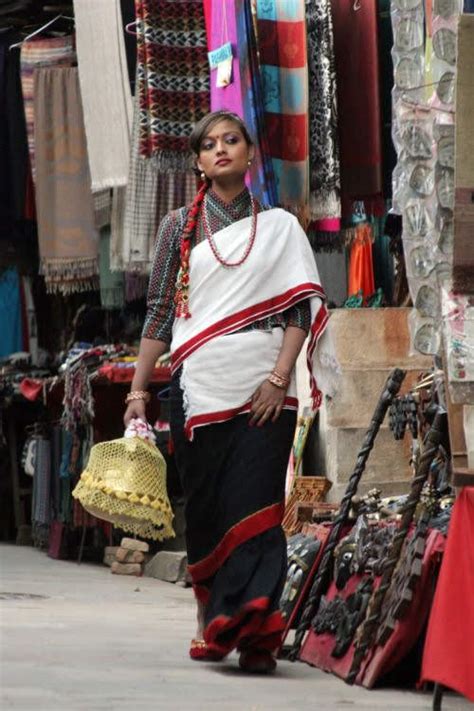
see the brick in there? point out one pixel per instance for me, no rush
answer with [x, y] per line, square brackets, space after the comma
[132, 544]
[124, 555]
[109, 555]
[169, 566]
[126, 568]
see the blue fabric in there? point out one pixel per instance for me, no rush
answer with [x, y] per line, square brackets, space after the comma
[11, 340]
[468, 6]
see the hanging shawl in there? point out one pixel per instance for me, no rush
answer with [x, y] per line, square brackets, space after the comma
[325, 184]
[105, 90]
[281, 34]
[68, 238]
[358, 95]
[173, 78]
[244, 95]
[36, 53]
[221, 367]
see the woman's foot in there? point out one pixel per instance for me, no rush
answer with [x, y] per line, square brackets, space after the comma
[200, 651]
[201, 609]
[257, 661]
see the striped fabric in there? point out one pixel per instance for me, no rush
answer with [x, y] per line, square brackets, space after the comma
[281, 32]
[35, 54]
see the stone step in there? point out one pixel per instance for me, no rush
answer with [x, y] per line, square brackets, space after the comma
[374, 338]
[388, 461]
[359, 393]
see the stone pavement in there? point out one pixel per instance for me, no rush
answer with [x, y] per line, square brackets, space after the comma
[99, 642]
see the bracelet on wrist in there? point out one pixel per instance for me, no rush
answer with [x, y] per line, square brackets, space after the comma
[280, 381]
[137, 395]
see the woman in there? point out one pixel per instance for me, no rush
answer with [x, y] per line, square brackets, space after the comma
[234, 290]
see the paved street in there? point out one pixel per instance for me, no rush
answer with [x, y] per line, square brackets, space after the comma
[97, 642]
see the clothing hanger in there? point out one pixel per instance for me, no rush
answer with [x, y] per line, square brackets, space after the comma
[129, 29]
[40, 29]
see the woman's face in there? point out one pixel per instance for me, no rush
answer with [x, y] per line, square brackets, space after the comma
[224, 152]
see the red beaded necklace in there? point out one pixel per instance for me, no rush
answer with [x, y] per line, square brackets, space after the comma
[212, 244]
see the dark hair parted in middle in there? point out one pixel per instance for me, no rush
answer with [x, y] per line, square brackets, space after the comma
[207, 123]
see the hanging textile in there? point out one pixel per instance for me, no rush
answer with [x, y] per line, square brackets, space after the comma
[355, 29]
[105, 90]
[68, 239]
[37, 53]
[281, 31]
[41, 510]
[10, 313]
[112, 285]
[389, 155]
[324, 171]
[232, 22]
[173, 78]
[361, 269]
[463, 252]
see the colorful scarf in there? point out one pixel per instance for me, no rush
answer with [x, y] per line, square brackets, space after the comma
[112, 286]
[173, 78]
[37, 53]
[105, 90]
[244, 95]
[325, 183]
[281, 32]
[68, 238]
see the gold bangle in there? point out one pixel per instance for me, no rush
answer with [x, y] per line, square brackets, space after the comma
[137, 395]
[278, 380]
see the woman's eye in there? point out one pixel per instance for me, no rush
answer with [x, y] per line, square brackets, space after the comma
[207, 146]
[232, 139]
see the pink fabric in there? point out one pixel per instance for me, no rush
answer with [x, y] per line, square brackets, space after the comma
[229, 97]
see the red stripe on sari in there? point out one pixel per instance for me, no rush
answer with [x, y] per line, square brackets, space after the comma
[251, 526]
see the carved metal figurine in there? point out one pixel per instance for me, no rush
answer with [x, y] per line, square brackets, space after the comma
[365, 636]
[391, 388]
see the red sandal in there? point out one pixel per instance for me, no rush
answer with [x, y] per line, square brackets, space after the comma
[200, 651]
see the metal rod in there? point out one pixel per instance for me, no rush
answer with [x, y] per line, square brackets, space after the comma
[391, 388]
[366, 632]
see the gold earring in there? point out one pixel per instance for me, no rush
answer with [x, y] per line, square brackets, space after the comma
[203, 176]
[249, 162]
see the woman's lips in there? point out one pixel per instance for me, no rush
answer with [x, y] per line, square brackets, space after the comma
[223, 161]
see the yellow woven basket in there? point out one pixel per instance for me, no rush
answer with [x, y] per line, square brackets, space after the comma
[125, 483]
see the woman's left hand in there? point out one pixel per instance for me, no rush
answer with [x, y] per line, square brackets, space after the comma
[267, 402]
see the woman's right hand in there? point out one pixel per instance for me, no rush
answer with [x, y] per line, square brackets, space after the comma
[135, 408]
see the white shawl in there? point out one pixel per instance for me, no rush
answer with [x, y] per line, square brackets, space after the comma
[222, 367]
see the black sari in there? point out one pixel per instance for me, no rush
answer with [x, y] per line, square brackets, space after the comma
[233, 477]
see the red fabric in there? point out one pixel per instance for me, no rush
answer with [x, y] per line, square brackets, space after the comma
[449, 648]
[281, 39]
[282, 130]
[31, 389]
[116, 374]
[262, 628]
[317, 649]
[361, 268]
[241, 532]
[358, 97]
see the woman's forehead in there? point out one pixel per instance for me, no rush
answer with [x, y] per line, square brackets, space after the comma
[223, 127]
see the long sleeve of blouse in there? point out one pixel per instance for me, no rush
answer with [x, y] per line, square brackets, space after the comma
[160, 301]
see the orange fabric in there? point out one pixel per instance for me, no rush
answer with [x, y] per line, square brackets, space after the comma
[361, 268]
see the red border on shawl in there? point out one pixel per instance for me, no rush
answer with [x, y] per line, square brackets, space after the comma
[259, 627]
[245, 317]
[249, 527]
[212, 418]
[317, 329]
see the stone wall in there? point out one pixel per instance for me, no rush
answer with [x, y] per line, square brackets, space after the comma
[369, 344]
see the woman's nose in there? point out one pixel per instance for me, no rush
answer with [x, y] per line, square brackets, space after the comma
[220, 146]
